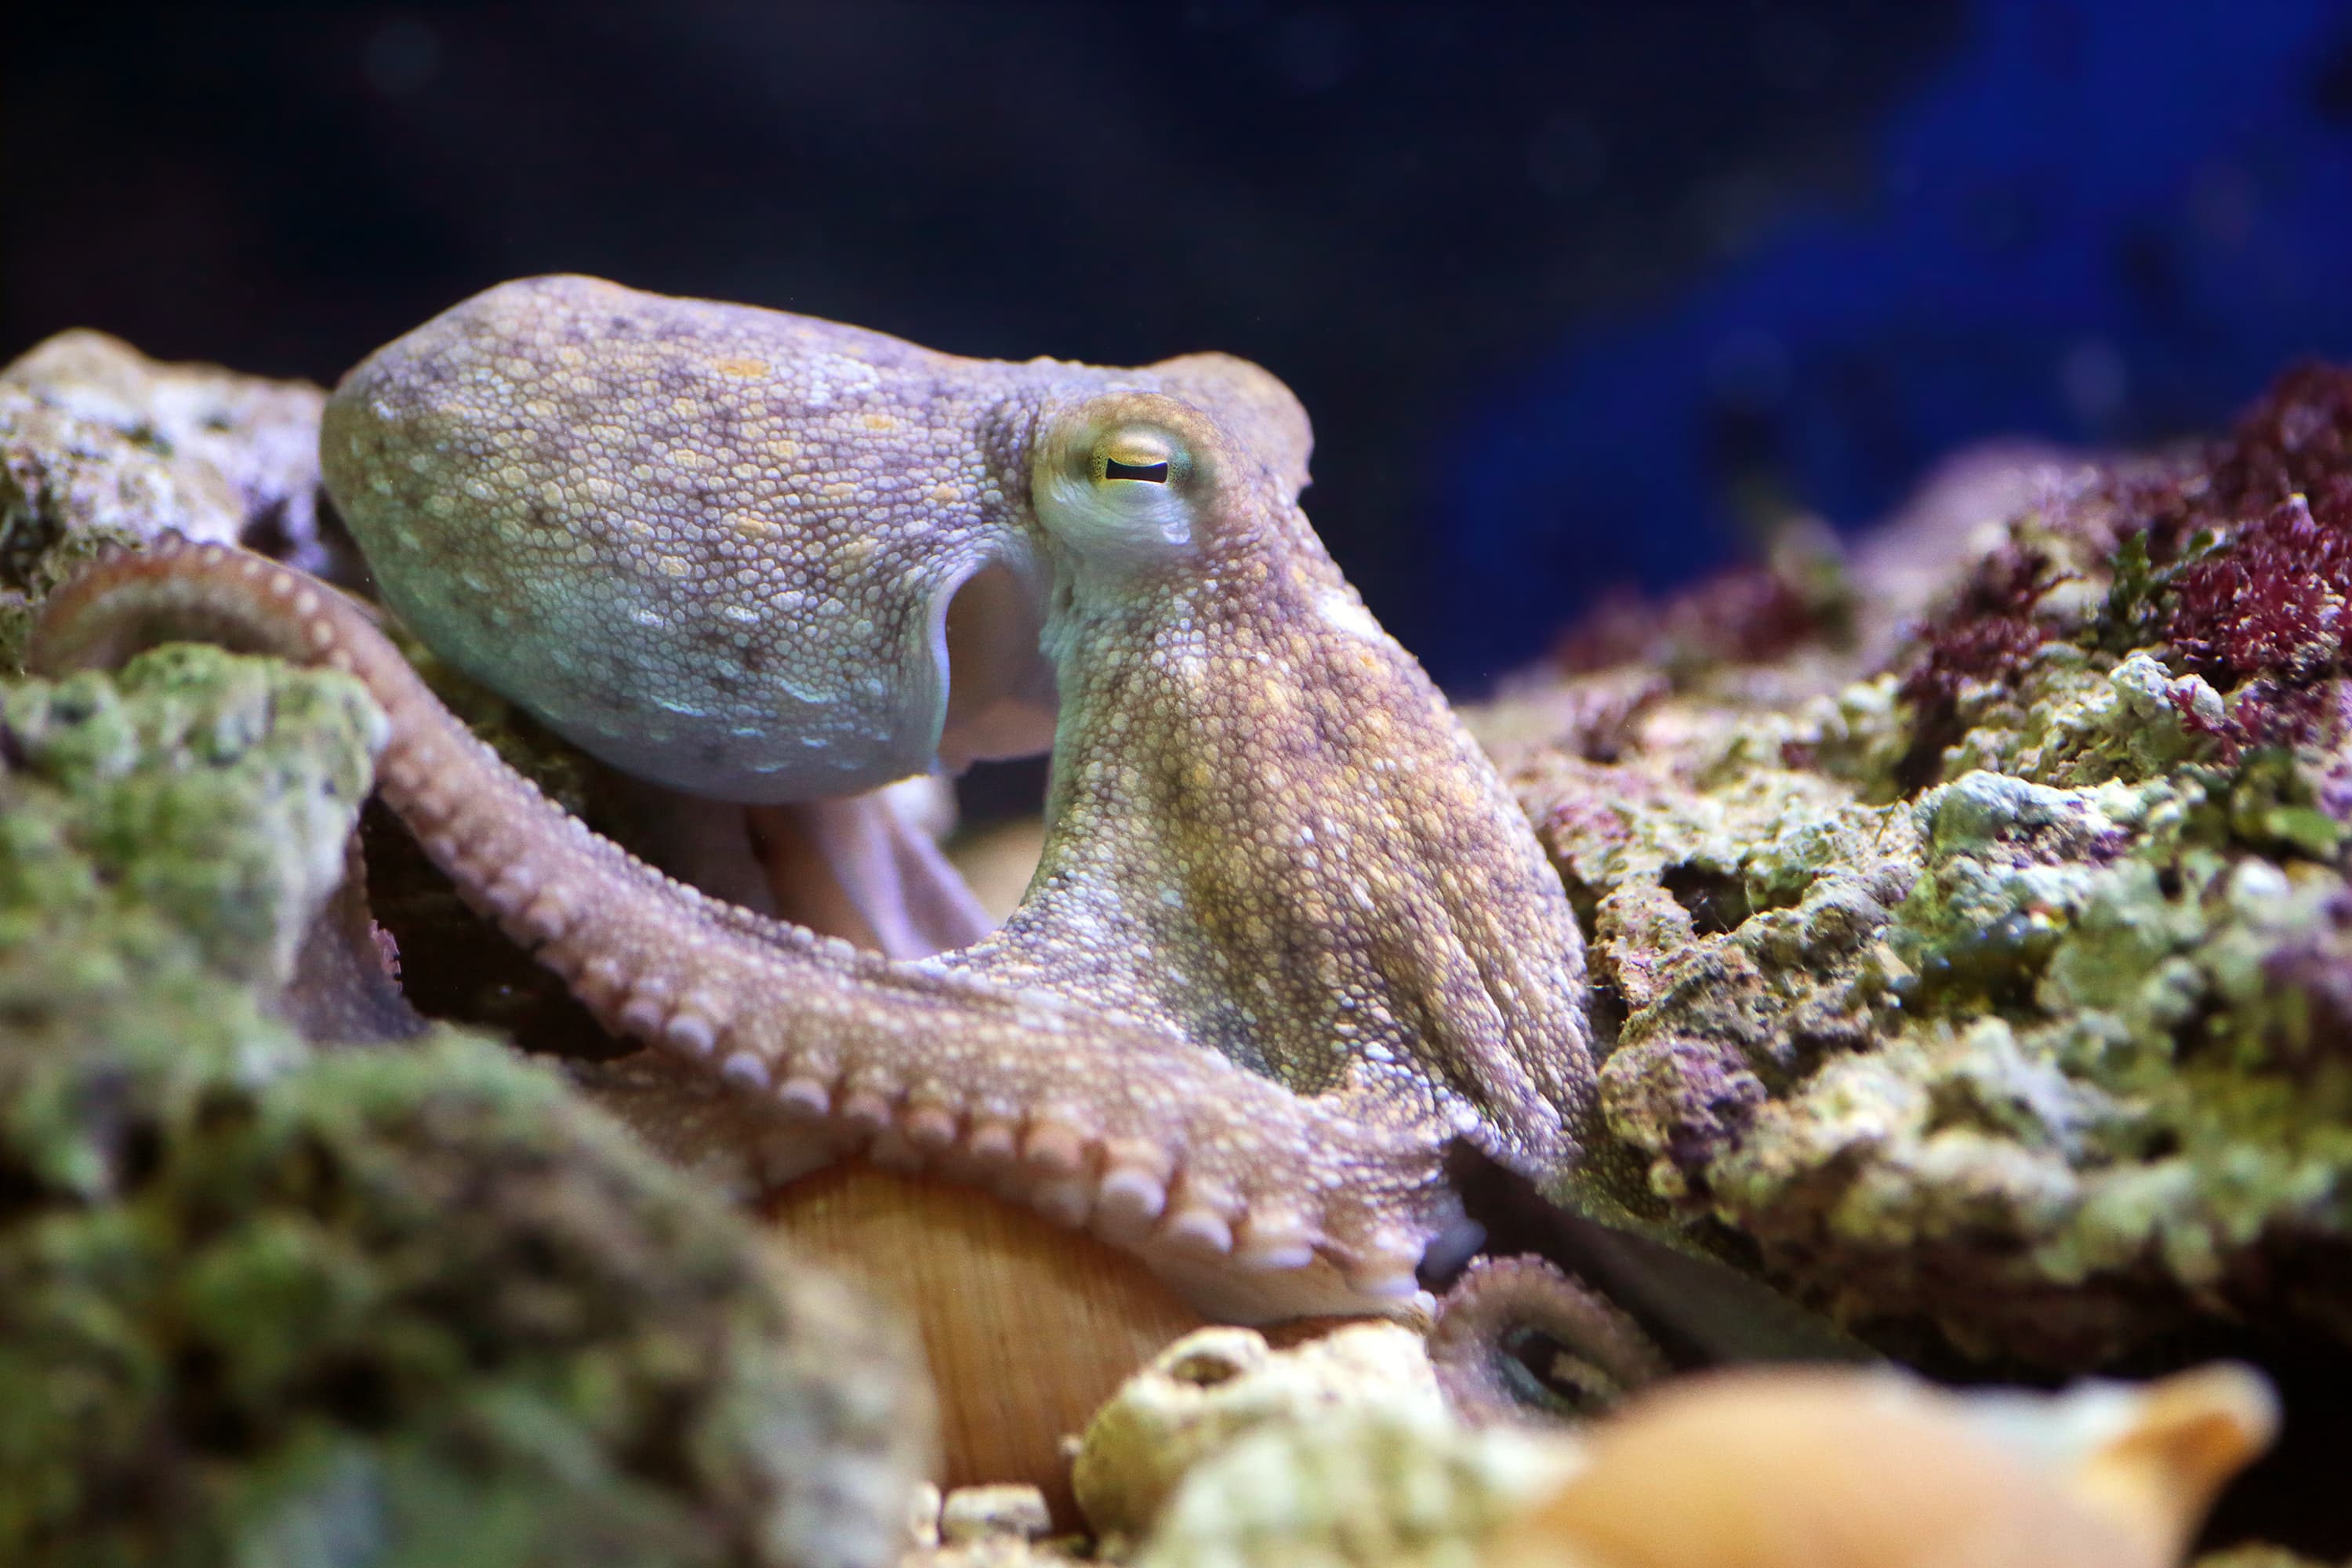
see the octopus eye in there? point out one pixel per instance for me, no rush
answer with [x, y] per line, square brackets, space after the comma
[1117, 490]
[1138, 453]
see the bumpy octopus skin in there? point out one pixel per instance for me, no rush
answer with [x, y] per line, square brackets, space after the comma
[1289, 939]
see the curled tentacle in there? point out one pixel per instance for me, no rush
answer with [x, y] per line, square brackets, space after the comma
[1262, 1202]
[1517, 1338]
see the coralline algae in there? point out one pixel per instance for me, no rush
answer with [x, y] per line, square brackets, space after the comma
[1982, 954]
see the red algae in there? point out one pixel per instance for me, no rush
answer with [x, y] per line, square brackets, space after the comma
[2234, 563]
[1990, 632]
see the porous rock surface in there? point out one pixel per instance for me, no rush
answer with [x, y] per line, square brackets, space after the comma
[1967, 914]
[100, 443]
[384, 1305]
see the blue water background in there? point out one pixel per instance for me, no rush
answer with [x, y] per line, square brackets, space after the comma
[2108, 221]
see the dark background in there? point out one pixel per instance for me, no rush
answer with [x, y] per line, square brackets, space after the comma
[1578, 295]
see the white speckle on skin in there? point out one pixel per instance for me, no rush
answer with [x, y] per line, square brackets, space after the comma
[1343, 613]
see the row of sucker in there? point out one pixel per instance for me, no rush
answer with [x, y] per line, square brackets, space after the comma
[1170, 1149]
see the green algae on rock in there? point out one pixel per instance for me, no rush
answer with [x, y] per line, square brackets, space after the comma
[415, 1306]
[382, 1306]
[209, 794]
[408, 1306]
[1987, 965]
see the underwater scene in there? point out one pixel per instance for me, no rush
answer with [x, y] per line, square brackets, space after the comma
[985, 784]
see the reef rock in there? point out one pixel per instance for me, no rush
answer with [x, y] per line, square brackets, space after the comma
[98, 443]
[1203, 1393]
[389, 1304]
[1338, 1450]
[1361, 1486]
[1969, 919]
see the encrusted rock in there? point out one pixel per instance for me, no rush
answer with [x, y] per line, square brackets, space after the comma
[1208, 1388]
[1991, 975]
[1361, 1486]
[260, 1303]
[99, 443]
[209, 793]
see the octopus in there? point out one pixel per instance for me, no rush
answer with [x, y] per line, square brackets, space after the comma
[1289, 947]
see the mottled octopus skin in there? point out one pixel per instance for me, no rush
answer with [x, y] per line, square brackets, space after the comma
[1289, 939]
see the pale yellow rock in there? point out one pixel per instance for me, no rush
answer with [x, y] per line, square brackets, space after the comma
[1213, 1385]
[1368, 1486]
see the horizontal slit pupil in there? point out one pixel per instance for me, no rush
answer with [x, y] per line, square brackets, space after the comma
[1151, 473]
